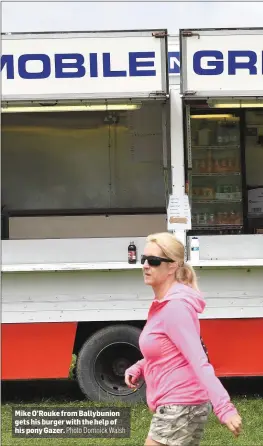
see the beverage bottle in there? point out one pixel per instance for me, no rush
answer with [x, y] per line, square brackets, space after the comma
[132, 253]
[209, 164]
[187, 187]
[194, 249]
[237, 193]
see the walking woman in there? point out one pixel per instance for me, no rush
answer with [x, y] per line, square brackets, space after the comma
[180, 382]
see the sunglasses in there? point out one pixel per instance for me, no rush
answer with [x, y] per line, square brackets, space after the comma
[154, 261]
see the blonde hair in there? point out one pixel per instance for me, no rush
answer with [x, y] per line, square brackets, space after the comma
[174, 250]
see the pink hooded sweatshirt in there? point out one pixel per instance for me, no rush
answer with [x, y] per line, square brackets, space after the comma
[174, 365]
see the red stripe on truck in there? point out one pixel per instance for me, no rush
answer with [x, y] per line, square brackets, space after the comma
[37, 350]
[234, 346]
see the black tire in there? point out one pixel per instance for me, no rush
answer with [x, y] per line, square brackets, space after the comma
[102, 362]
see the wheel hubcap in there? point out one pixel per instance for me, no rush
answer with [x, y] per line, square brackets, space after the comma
[110, 366]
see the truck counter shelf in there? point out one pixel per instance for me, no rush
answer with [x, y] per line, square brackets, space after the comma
[49, 267]
[107, 266]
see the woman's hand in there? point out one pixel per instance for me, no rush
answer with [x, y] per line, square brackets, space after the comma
[130, 381]
[234, 424]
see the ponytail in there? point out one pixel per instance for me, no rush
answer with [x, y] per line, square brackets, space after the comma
[186, 274]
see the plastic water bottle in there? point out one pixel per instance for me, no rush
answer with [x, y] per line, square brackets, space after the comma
[194, 249]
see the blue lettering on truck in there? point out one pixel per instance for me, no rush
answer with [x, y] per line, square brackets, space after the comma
[76, 63]
[174, 62]
[205, 63]
[216, 63]
[8, 61]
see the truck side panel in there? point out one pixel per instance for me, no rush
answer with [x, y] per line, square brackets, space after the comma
[44, 350]
[32, 351]
[120, 295]
[232, 323]
[234, 346]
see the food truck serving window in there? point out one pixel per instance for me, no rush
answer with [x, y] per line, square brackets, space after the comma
[104, 155]
[88, 161]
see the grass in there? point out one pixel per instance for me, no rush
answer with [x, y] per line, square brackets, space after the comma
[251, 410]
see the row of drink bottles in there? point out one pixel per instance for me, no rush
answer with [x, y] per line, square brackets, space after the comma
[210, 165]
[221, 192]
[217, 218]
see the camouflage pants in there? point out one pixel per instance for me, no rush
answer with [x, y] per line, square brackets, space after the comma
[176, 425]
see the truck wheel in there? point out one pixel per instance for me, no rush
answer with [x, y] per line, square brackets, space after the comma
[102, 362]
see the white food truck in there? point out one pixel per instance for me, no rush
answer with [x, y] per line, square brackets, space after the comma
[97, 135]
